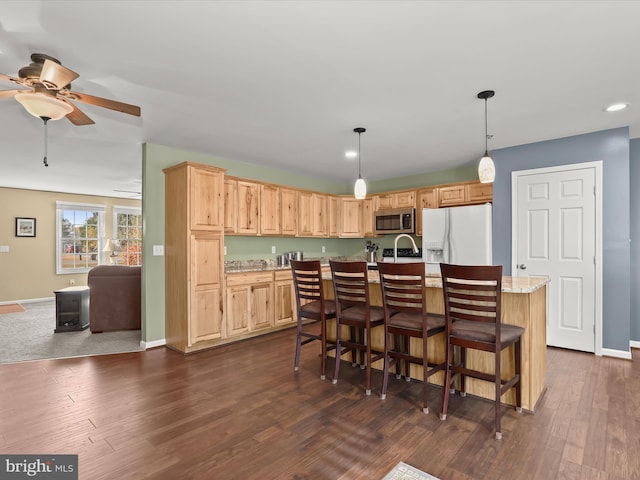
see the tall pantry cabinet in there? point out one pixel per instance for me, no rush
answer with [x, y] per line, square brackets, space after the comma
[194, 256]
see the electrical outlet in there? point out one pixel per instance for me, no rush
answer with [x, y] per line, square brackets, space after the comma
[225, 249]
[72, 282]
[324, 250]
[273, 249]
[158, 250]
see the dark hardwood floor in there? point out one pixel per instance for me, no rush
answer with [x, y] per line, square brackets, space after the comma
[240, 412]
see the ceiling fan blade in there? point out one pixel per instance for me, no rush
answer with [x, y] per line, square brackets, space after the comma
[135, 194]
[54, 76]
[77, 117]
[106, 103]
[9, 93]
[10, 78]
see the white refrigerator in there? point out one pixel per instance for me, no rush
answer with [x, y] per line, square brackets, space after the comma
[458, 235]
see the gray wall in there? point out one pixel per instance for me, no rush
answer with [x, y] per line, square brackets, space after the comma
[634, 170]
[612, 148]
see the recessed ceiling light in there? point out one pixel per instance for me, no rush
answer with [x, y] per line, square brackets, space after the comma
[351, 154]
[616, 107]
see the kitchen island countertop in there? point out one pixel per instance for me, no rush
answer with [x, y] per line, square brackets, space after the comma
[509, 284]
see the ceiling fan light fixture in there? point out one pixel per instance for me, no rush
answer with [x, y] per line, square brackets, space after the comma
[42, 105]
[486, 167]
[360, 187]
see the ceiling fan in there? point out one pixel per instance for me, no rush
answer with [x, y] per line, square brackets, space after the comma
[47, 92]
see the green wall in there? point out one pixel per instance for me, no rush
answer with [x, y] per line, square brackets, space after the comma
[157, 157]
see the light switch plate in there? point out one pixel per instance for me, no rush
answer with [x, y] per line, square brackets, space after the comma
[4, 248]
[158, 250]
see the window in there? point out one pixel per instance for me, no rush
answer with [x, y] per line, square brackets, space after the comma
[127, 228]
[80, 230]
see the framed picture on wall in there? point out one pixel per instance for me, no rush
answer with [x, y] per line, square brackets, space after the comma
[25, 227]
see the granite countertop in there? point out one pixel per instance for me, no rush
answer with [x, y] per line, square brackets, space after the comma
[242, 266]
[433, 280]
[509, 284]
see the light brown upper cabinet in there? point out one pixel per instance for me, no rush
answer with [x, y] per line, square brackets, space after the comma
[320, 215]
[248, 208]
[288, 211]
[256, 208]
[401, 199]
[367, 218]
[334, 216]
[269, 210]
[207, 197]
[305, 214]
[427, 198]
[451, 195]
[313, 214]
[351, 218]
[230, 204]
[465, 194]
[479, 192]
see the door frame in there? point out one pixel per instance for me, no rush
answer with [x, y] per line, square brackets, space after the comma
[597, 166]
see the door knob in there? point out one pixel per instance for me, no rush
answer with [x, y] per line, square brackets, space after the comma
[522, 266]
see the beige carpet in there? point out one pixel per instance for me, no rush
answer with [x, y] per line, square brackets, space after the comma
[403, 471]
[29, 335]
[11, 308]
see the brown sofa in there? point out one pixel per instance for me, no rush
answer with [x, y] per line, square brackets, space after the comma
[114, 298]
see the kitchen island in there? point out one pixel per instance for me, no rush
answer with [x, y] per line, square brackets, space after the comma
[524, 303]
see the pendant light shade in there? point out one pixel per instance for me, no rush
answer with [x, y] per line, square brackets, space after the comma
[360, 188]
[486, 167]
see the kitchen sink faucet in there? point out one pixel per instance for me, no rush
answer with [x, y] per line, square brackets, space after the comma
[395, 246]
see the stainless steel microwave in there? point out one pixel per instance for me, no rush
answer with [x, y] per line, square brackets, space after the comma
[396, 220]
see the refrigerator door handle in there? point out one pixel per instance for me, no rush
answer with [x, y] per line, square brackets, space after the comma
[446, 253]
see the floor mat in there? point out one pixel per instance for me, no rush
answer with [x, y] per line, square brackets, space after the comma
[11, 308]
[403, 471]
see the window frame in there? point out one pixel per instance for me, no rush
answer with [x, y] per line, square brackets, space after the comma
[128, 210]
[61, 206]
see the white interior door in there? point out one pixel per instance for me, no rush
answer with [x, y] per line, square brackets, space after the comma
[556, 221]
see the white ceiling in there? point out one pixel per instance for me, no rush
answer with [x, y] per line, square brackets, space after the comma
[283, 83]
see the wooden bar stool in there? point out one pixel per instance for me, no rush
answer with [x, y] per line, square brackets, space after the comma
[406, 317]
[312, 308]
[472, 304]
[353, 309]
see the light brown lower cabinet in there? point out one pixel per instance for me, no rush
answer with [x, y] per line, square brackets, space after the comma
[285, 300]
[249, 302]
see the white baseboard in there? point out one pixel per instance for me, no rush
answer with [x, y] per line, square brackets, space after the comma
[607, 352]
[153, 343]
[29, 300]
[634, 344]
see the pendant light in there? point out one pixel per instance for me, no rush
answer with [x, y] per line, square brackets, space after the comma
[486, 168]
[360, 188]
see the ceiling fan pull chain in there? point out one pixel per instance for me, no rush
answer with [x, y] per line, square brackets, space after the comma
[44, 160]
